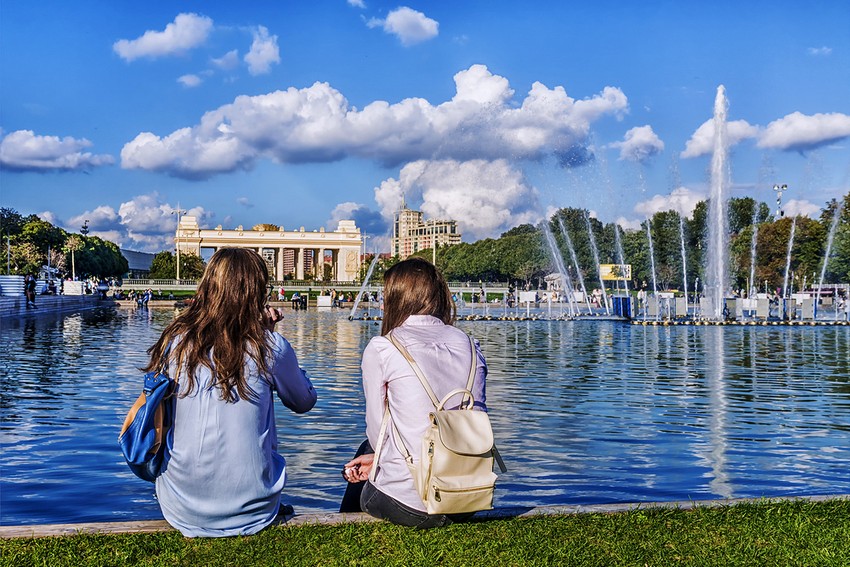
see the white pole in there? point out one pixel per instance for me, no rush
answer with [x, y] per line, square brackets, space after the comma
[179, 213]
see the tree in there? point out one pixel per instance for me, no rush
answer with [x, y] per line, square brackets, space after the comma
[164, 266]
[192, 266]
[11, 222]
[26, 258]
[742, 213]
[100, 259]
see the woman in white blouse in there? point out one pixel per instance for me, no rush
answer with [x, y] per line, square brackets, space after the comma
[419, 312]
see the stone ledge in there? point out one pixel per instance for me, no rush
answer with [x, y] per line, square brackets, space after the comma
[152, 526]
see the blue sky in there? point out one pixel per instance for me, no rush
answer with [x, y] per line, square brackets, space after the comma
[491, 113]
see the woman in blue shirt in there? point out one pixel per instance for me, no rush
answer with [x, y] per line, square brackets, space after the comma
[224, 475]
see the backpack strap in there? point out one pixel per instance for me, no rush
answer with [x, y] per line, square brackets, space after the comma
[419, 374]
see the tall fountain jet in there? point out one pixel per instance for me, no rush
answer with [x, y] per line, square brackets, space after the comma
[717, 257]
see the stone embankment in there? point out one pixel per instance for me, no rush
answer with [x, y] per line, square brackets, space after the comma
[16, 305]
[151, 526]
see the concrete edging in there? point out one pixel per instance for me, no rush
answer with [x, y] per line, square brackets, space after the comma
[153, 526]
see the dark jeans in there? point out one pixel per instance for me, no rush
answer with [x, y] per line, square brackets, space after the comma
[363, 497]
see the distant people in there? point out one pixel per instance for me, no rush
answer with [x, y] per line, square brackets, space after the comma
[145, 298]
[29, 290]
[102, 288]
[296, 300]
[225, 475]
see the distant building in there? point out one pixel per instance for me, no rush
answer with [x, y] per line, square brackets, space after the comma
[297, 254]
[138, 263]
[411, 233]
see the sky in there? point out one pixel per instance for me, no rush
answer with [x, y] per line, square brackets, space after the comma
[494, 114]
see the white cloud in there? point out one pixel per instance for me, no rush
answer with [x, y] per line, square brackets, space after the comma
[316, 124]
[357, 3]
[187, 31]
[101, 220]
[627, 224]
[228, 61]
[411, 27]
[797, 207]
[23, 150]
[50, 217]
[639, 144]
[190, 81]
[143, 223]
[368, 221]
[245, 202]
[801, 132]
[702, 141]
[822, 51]
[264, 52]
[681, 200]
[485, 197]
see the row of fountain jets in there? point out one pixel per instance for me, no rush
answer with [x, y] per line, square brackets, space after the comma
[717, 284]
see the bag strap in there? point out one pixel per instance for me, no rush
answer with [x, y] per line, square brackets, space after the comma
[467, 397]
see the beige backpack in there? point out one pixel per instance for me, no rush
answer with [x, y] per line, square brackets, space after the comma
[455, 471]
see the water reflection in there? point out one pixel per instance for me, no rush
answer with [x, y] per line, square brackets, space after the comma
[584, 411]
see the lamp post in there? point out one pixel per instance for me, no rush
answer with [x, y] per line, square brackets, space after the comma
[434, 241]
[179, 212]
[363, 256]
[779, 190]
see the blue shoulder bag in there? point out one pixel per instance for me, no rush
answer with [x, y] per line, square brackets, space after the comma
[146, 436]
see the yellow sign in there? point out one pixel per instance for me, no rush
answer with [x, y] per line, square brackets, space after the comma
[616, 272]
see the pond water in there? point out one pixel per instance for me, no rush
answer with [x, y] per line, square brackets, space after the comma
[585, 412]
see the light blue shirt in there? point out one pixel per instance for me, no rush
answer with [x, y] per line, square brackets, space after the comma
[224, 476]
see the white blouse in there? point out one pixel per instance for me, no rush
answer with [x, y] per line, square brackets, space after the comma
[443, 353]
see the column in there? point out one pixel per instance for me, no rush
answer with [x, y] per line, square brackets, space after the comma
[279, 264]
[320, 263]
[299, 263]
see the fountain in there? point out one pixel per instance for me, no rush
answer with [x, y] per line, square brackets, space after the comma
[652, 269]
[572, 251]
[752, 290]
[788, 258]
[596, 259]
[716, 281]
[363, 286]
[684, 259]
[832, 228]
[559, 264]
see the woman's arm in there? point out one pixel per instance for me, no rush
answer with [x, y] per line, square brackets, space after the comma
[374, 389]
[290, 381]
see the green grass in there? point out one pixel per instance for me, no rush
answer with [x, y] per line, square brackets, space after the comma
[763, 534]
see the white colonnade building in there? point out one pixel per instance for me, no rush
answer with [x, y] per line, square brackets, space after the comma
[299, 254]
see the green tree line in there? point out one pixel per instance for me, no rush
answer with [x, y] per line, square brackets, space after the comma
[32, 244]
[522, 255]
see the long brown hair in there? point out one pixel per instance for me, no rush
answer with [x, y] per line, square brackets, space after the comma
[222, 325]
[415, 287]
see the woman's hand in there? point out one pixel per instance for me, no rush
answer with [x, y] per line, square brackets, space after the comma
[357, 469]
[271, 316]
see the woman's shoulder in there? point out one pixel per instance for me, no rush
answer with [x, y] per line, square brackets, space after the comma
[379, 343]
